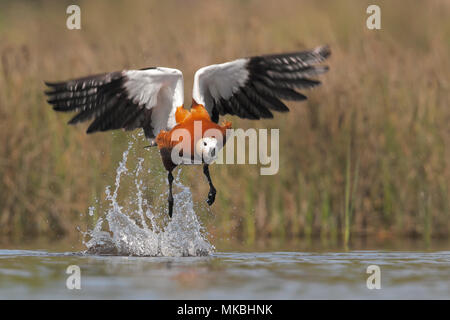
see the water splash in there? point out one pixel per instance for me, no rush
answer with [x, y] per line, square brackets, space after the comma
[139, 231]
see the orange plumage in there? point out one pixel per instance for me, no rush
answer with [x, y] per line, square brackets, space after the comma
[167, 140]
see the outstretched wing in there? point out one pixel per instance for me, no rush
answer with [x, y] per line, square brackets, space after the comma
[126, 99]
[252, 87]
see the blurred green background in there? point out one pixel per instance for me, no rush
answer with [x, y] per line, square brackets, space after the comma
[365, 157]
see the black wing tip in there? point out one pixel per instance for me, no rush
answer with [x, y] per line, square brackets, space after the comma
[51, 88]
[50, 84]
[299, 97]
[90, 130]
[49, 92]
[72, 121]
[324, 51]
[54, 85]
[59, 109]
[323, 69]
[51, 100]
[314, 82]
[287, 109]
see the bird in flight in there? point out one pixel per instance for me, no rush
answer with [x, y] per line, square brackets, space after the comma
[153, 99]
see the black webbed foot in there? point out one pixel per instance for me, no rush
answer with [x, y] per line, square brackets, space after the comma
[212, 190]
[211, 196]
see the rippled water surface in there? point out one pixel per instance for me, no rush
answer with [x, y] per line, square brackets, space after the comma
[229, 275]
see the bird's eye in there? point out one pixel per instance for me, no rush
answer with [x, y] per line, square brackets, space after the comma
[204, 143]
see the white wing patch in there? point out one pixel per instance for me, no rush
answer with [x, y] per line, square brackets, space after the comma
[219, 81]
[159, 89]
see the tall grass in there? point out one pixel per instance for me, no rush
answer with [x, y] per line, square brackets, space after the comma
[365, 155]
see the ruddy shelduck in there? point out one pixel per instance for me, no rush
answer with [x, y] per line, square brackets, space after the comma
[153, 99]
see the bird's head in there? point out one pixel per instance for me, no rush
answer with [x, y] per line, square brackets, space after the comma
[207, 148]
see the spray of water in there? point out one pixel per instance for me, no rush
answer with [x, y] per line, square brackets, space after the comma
[124, 230]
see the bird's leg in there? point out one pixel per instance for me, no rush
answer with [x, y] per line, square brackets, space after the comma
[170, 178]
[212, 190]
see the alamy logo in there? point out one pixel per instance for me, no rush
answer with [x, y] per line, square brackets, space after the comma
[374, 20]
[74, 280]
[374, 280]
[74, 20]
